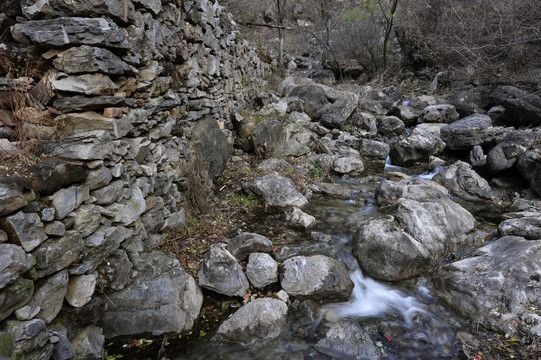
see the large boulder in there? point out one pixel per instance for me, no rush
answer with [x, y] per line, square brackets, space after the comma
[314, 97]
[222, 273]
[347, 340]
[258, 321]
[523, 108]
[164, 298]
[528, 227]
[337, 113]
[529, 166]
[506, 153]
[417, 147]
[386, 252]
[273, 137]
[379, 101]
[316, 277]
[211, 143]
[276, 191]
[465, 183]
[391, 126]
[465, 133]
[469, 102]
[246, 243]
[443, 113]
[497, 287]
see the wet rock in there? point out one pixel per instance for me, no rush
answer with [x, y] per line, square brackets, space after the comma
[244, 244]
[528, 227]
[93, 145]
[374, 151]
[11, 199]
[273, 137]
[337, 113]
[65, 200]
[529, 166]
[73, 31]
[276, 191]
[379, 101]
[164, 298]
[316, 277]
[522, 107]
[87, 84]
[386, 252]
[51, 176]
[348, 165]
[494, 287]
[299, 219]
[14, 296]
[24, 229]
[465, 133]
[222, 273]
[443, 113]
[88, 343]
[13, 262]
[88, 59]
[504, 155]
[98, 246]
[25, 340]
[391, 126]
[261, 270]
[417, 147]
[465, 183]
[258, 321]
[80, 290]
[49, 295]
[347, 340]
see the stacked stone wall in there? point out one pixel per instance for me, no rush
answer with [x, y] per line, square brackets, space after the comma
[123, 87]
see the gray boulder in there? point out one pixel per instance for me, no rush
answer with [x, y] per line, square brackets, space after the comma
[386, 252]
[443, 113]
[364, 121]
[25, 340]
[121, 11]
[417, 147]
[164, 298]
[373, 151]
[222, 273]
[274, 137]
[314, 97]
[337, 113]
[244, 244]
[297, 218]
[495, 288]
[348, 165]
[379, 101]
[316, 277]
[258, 321]
[349, 341]
[465, 183]
[88, 343]
[469, 102]
[87, 84]
[276, 192]
[465, 133]
[212, 145]
[93, 145]
[528, 227]
[83, 103]
[505, 154]
[522, 107]
[529, 166]
[391, 126]
[70, 31]
[261, 270]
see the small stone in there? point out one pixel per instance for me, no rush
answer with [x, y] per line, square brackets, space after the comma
[283, 296]
[47, 214]
[24, 229]
[299, 219]
[112, 112]
[66, 200]
[261, 270]
[56, 228]
[3, 236]
[27, 312]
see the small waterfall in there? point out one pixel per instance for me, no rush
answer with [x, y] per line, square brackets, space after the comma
[390, 167]
[371, 298]
[430, 175]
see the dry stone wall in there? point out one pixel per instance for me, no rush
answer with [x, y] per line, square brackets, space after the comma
[132, 87]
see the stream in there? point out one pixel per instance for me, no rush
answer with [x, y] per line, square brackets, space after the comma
[404, 319]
